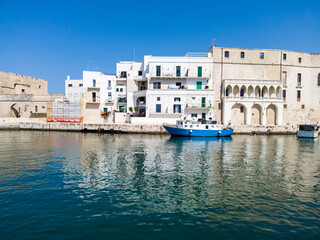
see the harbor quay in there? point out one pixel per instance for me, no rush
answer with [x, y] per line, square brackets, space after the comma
[134, 128]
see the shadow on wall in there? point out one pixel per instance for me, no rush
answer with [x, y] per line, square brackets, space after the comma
[15, 110]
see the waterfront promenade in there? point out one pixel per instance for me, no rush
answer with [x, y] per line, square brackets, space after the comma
[131, 128]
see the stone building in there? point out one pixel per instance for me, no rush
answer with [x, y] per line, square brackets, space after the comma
[266, 87]
[24, 97]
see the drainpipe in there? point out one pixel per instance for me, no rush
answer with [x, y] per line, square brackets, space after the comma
[221, 111]
[280, 66]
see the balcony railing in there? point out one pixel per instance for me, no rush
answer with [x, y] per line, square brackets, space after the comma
[253, 98]
[122, 100]
[109, 101]
[199, 105]
[252, 81]
[93, 100]
[141, 103]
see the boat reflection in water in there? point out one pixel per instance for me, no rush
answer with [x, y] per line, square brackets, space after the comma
[154, 186]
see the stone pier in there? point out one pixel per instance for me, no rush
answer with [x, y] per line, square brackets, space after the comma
[133, 128]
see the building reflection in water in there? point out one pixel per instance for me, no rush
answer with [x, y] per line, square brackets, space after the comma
[242, 178]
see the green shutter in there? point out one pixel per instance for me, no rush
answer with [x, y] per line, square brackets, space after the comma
[199, 85]
[199, 71]
[158, 71]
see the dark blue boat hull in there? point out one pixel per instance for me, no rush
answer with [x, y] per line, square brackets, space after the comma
[198, 132]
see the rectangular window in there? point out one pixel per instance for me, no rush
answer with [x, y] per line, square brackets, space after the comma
[262, 55]
[123, 74]
[22, 90]
[117, 89]
[284, 78]
[158, 73]
[199, 71]
[139, 73]
[298, 95]
[241, 109]
[242, 54]
[80, 85]
[158, 108]
[109, 95]
[177, 99]
[226, 54]
[158, 98]
[177, 108]
[178, 71]
[36, 108]
[284, 94]
[143, 83]
[199, 85]
[94, 83]
[109, 83]
[121, 89]
[203, 102]
[157, 85]
[302, 106]
[284, 56]
[299, 80]
[299, 60]
[105, 110]
[194, 115]
[285, 105]
[69, 85]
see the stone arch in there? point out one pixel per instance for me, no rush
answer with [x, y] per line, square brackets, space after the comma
[278, 92]
[256, 114]
[271, 114]
[272, 92]
[243, 91]
[15, 110]
[264, 92]
[228, 90]
[257, 91]
[238, 114]
[236, 91]
[250, 91]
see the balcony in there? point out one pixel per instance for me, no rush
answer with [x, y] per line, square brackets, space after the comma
[252, 81]
[105, 114]
[109, 101]
[142, 88]
[94, 88]
[141, 103]
[122, 101]
[254, 98]
[199, 106]
[92, 101]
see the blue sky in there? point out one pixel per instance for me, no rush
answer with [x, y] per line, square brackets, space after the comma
[52, 39]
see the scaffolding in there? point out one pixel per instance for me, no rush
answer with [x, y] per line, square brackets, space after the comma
[65, 110]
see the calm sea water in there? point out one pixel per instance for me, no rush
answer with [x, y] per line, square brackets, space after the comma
[79, 186]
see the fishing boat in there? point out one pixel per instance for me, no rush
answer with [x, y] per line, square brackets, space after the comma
[308, 130]
[203, 128]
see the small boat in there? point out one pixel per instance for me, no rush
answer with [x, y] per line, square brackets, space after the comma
[204, 128]
[308, 130]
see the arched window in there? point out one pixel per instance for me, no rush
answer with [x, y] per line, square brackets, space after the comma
[319, 79]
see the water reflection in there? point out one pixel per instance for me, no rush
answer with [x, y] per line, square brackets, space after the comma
[266, 183]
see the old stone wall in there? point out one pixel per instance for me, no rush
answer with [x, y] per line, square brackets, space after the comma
[13, 83]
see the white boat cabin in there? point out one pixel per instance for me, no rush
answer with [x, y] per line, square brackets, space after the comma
[204, 125]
